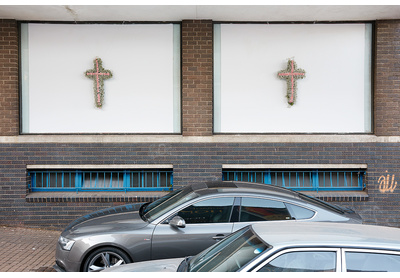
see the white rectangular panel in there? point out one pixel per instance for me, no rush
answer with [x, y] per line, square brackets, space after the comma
[139, 98]
[333, 98]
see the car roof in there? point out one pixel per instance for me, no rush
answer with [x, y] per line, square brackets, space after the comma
[212, 187]
[312, 234]
[242, 187]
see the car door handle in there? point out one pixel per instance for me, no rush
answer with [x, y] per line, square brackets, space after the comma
[219, 237]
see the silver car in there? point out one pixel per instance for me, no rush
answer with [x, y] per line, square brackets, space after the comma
[291, 247]
[183, 223]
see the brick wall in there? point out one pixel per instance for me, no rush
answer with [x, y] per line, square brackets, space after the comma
[387, 78]
[197, 77]
[9, 109]
[194, 162]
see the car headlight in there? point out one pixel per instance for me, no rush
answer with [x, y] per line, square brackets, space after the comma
[66, 243]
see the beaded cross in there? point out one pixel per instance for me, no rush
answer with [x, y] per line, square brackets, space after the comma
[291, 74]
[98, 74]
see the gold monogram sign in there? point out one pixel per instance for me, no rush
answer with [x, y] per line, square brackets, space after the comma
[387, 183]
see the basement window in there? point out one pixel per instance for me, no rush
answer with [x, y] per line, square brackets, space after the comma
[103, 178]
[301, 177]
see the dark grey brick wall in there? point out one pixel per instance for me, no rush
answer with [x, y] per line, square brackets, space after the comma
[192, 162]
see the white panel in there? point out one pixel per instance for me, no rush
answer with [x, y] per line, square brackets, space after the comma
[139, 98]
[330, 99]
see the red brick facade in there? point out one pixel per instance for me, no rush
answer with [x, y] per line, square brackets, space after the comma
[387, 79]
[9, 103]
[197, 77]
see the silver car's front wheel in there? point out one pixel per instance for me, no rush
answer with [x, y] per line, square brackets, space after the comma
[105, 258]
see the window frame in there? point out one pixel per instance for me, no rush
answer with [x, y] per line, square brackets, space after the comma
[206, 200]
[267, 200]
[369, 84]
[176, 104]
[320, 175]
[166, 217]
[77, 179]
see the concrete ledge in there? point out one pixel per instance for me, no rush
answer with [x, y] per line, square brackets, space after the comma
[150, 196]
[217, 138]
[100, 166]
[341, 196]
[294, 166]
[94, 197]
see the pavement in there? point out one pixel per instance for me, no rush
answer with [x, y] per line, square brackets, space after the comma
[27, 250]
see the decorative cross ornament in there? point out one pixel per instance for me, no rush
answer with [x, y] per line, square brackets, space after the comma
[98, 74]
[291, 74]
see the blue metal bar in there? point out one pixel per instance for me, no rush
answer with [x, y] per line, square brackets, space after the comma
[315, 180]
[33, 179]
[267, 177]
[351, 179]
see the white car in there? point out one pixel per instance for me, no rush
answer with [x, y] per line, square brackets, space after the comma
[291, 247]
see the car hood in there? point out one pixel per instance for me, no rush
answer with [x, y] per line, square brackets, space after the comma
[167, 265]
[114, 218]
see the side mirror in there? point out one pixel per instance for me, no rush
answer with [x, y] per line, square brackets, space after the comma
[177, 222]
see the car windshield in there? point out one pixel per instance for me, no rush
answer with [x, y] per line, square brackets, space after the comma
[230, 254]
[159, 207]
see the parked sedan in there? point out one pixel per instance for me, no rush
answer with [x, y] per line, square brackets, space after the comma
[183, 223]
[291, 247]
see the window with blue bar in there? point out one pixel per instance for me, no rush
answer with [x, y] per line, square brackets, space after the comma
[302, 179]
[100, 180]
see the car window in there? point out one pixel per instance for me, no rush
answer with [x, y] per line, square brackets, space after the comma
[159, 207]
[257, 209]
[216, 210]
[300, 212]
[317, 202]
[372, 262]
[230, 254]
[302, 261]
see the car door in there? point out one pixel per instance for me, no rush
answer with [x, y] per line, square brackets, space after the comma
[254, 209]
[207, 221]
